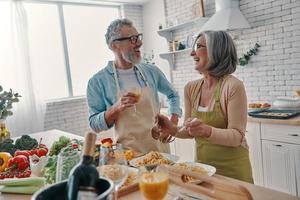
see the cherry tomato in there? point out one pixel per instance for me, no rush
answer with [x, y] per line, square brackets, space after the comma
[74, 146]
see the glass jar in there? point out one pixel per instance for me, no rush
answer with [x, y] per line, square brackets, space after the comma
[4, 133]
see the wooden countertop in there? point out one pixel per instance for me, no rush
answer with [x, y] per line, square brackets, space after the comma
[292, 121]
[258, 193]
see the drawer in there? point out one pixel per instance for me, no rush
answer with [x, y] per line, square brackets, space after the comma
[281, 133]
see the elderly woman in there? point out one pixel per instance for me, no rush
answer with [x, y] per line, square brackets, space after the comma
[215, 108]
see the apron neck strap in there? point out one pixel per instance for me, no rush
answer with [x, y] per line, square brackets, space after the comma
[116, 78]
[218, 90]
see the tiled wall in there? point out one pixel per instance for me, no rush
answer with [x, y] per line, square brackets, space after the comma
[275, 71]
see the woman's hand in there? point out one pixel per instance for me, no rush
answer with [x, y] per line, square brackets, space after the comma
[196, 128]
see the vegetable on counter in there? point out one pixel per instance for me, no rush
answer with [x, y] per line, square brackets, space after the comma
[26, 143]
[8, 146]
[19, 162]
[19, 189]
[4, 157]
[58, 145]
[23, 152]
[22, 186]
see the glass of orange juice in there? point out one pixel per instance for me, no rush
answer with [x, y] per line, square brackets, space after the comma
[153, 182]
[137, 91]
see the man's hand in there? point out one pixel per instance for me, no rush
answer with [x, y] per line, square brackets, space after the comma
[125, 101]
[164, 129]
[174, 119]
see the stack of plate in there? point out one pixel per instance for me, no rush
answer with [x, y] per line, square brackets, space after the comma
[287, 103]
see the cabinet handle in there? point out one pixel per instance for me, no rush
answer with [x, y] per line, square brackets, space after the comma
[277, 145]
[293, 135]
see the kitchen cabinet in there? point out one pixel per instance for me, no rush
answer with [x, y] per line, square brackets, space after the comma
[168, 34]
[275, 154]
[255, 152]
[279, 166]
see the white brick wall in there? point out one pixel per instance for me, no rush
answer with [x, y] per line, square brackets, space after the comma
[275, 70]
[69, 115]
[135, 14]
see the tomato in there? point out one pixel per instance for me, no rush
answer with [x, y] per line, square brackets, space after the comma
[33, 151]
[43, 146]
[27, 173]
[41, 152]
[2, 176]
[105, 140]
[74, 146]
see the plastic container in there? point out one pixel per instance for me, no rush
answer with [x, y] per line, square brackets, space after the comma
[65, 162]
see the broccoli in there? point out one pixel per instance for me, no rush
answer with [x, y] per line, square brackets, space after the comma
[8, 146]
[26, 143]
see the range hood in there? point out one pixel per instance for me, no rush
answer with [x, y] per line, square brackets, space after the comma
[227, 17]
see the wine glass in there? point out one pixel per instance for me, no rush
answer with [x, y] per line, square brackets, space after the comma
[113, 165]
[137, 91]
[154, 181]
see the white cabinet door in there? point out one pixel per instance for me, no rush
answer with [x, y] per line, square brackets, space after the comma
[297, 164]
[254, 142]
[279, 166]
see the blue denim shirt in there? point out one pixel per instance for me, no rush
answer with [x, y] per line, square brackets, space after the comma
[102, 92]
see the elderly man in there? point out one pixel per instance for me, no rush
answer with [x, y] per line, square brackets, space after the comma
[125, 93]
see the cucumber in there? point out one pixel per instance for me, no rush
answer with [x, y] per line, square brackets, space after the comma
[30, 181]
[19, 189]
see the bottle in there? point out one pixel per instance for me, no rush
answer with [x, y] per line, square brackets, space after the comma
[83, 177]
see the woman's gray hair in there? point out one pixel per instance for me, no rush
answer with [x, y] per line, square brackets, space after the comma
[221, 53]
[113, 30]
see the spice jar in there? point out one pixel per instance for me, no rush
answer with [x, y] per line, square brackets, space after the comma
[175, 45]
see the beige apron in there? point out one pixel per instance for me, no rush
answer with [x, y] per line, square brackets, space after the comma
[229, 161]
[133, 130]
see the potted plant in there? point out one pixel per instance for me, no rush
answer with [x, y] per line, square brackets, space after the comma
[7, 98]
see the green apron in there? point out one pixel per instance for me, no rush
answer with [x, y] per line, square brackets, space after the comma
[229, 161]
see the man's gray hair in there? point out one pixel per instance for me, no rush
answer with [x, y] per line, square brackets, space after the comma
[113, 30]
[221, 53]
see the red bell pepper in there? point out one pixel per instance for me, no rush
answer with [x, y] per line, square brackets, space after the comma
[19, 163]
[24, 153]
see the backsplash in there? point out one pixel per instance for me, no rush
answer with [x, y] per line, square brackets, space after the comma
[275, 70]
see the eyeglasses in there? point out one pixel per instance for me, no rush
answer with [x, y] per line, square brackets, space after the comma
[133, 39]
[197, 45]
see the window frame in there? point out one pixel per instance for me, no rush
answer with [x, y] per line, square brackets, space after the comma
[59, 5]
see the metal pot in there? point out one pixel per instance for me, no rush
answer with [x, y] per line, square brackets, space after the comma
[58, 191]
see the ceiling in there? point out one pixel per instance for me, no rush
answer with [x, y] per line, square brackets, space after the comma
[125, 1]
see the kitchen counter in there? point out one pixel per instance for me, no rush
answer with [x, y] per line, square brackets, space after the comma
[256, 191]
[292, 121]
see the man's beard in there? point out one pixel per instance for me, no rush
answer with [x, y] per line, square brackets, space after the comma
[130, 57]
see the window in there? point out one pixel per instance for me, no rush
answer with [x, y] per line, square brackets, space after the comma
[88, 52]
[46, 53]
[67, 49]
